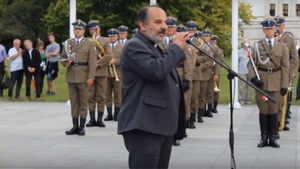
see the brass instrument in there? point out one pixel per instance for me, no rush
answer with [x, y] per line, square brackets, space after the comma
[112, 68]
[199, 44]
[285, 107]
[68, 49]
[99, 46]
[216, 89]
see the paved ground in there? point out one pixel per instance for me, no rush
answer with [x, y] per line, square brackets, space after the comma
[32, 136]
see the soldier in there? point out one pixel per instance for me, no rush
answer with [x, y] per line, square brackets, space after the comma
[288, 39]
[214, 41]
[123, 33]
[134, 31]
[212, 75]
[80, 62]
[114, 85]
[97, 92]
[271, 59]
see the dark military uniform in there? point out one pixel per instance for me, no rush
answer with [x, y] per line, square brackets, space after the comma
[288, 39]
[97, 92]
[271, 58]
[114, 84]
[81, 69]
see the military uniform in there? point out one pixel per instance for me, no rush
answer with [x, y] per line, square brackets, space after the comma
[123, 33]
[97, 92]
[114, 87]
[288, 39]
[79, 71]
[271, 59]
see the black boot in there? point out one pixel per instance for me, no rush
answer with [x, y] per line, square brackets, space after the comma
[92, 121]
[277, 131]
[109, 116]
[263, 123]
[74, 129]
[214, 110]
[272, 123]
[176, 142]
[191, 121]
[200, 114]
[286, 128]
[208, 112]
[99, 121]
[117, 109]
[81, 131]
[287, 121]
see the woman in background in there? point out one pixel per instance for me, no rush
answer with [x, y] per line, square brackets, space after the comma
[41, 48]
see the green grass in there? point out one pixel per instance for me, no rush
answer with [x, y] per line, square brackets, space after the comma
[62, 90]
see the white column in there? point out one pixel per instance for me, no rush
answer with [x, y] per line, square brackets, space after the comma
[72, 17]
[234, 57]
[152, 2]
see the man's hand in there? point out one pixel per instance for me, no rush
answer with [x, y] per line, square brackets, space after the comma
[257, 82]
[89, 81]
[216, 78]
[283, 91]
[180, 39]
[185, 85]
[20, 51]
[67, 63]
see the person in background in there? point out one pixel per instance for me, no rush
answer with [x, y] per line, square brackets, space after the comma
[245, 91]
[41, 47]
[52, 54]
[31, 65]
[123, 34]
[2, 66]
[16, 68]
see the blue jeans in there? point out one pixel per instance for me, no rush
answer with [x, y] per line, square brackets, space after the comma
[298, 88]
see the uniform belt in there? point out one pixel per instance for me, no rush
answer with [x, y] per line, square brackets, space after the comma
[269, 70]
[76, 63]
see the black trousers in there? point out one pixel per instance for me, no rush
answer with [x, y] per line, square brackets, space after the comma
[147, 150]
[16, 76]
[37, 80]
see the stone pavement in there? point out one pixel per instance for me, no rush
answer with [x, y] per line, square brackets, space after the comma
[32, 136]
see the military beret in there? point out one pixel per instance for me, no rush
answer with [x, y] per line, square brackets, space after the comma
[206, 32]
[123, 28]
[268, 23]
[171, 21]
[93, 24]
[181, 28]
[214, 37]
[191, 25]
[198, 34]
[113, 32]
[79, 24]
[277, 32]
[279, 20]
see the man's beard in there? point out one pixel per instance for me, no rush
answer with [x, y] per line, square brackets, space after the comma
[153, 36]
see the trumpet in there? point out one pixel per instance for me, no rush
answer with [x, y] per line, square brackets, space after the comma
[99, 46]
[112, 68]
[216, 89]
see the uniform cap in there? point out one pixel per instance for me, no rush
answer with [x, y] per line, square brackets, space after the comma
[279, 20]
[123, 28]
[214, 38]
[198, 34]
[79, 24]
[206, 32]
[277, 32]
[171, 21]
[268, 23]
[181, 28]
[191, 25]
[134, 31]
[113, 32]
[93, 24]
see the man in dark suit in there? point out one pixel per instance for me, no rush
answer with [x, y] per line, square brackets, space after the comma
[31, 65]
[152, 110]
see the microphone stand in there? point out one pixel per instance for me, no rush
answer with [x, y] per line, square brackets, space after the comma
[231, 75]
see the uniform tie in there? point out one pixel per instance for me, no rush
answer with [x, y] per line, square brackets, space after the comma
[112, 46]
[77, 42]
[270, 44]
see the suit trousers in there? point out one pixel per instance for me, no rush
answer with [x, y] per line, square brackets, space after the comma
[78, 94]
[37, 79]
[268, 107]
[216, 94]
[202, 94]
[97, 94]
[245, 91]
[210, 91]
[16, 76]
[2, 73]
[113, 88]
[147, 150]
[194, 96]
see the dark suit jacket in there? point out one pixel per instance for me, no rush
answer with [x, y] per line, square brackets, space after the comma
[35, 61]
[151, 88]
